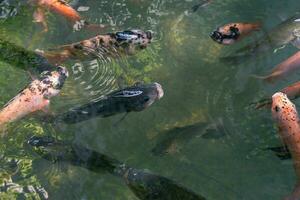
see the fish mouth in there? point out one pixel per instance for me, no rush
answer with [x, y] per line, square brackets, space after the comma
[217, 36]
[159, 90]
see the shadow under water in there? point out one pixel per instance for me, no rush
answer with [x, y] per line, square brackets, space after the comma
[145, 185]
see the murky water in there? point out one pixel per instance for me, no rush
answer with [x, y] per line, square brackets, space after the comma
[198, 86]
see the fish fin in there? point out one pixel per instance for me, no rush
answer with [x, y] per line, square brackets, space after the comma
[196, 7]
[281, 152]
[121, 119]
[257, 26]
[279, 48]
[296, 42]
[56, 56]
[263, 103]
[39, 17]
[46, 109]
[3, 130]
[269, 79]
[32, 77]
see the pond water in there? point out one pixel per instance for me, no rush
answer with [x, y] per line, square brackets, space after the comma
[198, 87]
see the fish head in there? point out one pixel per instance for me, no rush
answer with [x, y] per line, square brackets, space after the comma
[53, 81]
[283, 110]
[137, 38]
[225, 35]
[140, 96]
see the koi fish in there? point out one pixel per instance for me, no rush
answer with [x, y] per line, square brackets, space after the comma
[230, 33]
[109, 45]
[132, 99]
[285, 115]
[288, 66]
[35, 97]
[62, 8]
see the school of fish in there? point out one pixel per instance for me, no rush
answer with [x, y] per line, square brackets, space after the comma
[135, 98]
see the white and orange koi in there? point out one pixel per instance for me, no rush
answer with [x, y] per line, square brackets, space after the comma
[285, 115]
[35, 97]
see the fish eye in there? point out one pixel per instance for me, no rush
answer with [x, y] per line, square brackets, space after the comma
[277, 109]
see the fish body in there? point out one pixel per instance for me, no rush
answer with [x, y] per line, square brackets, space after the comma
[288, 66]
[60, 7]
[144, 184]
[285, 115]
[281, 35]
[132, 99]
[35, 97]
[108, 45]
[230, 33]
[173, 139]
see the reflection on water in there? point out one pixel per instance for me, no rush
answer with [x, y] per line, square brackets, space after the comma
[201, 87]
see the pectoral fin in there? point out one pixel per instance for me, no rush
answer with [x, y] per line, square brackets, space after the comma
[281, 152]
[296, 42]
[39, 17]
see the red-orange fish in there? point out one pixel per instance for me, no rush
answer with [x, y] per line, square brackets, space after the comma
[285, 115]
[61, 8]
[230, 33]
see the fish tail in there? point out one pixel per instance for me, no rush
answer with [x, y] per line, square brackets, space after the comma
[56, 57]
[268, 79]
[263, 103]
[257, 26]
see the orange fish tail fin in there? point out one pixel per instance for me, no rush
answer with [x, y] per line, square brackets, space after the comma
[56, 57]
[257, 26]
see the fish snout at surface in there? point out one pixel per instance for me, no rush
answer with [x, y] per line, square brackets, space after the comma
[282, 108]
[54, 81]
[225, 37]
[154, 93]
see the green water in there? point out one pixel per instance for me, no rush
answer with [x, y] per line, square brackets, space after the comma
[198, 87]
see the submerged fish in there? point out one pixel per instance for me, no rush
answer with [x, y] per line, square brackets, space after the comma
[145, 185]
[35, 97]
[292, 92]
[108, 45]
[173, 139]
[288, 66]
[135, 98]
[230, 33]
[281, 35]
[20, 57]
[200, 5]
[62, 8]
[285, 115]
